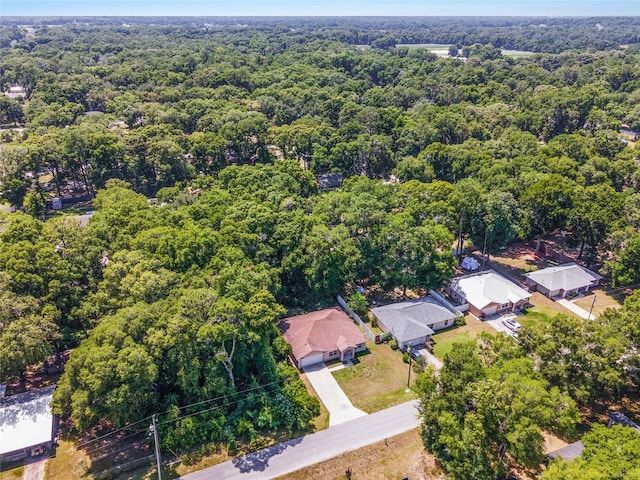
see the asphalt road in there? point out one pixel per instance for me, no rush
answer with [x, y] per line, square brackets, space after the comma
[317, 447]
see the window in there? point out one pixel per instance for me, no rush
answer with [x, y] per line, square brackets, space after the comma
[446, 322]
[504, 305]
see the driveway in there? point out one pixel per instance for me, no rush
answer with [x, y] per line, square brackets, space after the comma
[569, 305]
[431, 359]
[340, 407]
[320, 446]
[496, 323]
[34, 468]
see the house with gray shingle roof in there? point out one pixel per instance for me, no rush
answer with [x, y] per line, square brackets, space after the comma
[562, 280]
[414, 321]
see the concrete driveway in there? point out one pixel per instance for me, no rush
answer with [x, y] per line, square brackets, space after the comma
[340, 407]
[497, 324]
[581, 312]
[431, 359]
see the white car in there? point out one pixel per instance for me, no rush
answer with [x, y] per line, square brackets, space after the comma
[511, 324]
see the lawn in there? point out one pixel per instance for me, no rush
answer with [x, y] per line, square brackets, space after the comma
[445, 339]
[402, 456]
[377, 380]
[13, 474]
[68, 463]
[604, 300]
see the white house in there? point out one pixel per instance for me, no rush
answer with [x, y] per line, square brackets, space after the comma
[26, 424]
[16, 91]
[488, 293]
[562, 280]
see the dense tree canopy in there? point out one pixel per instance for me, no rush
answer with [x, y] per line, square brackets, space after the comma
[199, 145]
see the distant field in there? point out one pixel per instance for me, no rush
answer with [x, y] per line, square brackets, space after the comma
[516, 53]
[428, 46]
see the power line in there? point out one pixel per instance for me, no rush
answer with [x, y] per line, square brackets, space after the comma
[112, 433]
[221, 397]
[116, 441]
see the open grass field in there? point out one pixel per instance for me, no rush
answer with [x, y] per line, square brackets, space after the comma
[397, 457]
[445, 340]
[604, 300]
[12, 474]
[69, 463]
[428, 46]
[378, 379]
[545, 308]
[517, 53]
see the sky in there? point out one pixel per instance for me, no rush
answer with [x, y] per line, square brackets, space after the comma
[319, 7]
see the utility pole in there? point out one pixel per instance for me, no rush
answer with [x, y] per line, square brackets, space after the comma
[591, 309]
[484, 249]
[409, 375]
[460, 243]
[154, 428]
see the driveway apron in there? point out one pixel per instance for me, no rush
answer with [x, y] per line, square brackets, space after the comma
[338, 404]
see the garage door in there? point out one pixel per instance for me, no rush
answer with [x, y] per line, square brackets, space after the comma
[310, 360]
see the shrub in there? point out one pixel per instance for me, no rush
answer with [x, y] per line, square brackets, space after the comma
[419, 365]
[461, 321]
[358, 303]
[393, 344]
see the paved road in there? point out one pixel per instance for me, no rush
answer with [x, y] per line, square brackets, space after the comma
[340, 407]
[581, 312]
[311, 449]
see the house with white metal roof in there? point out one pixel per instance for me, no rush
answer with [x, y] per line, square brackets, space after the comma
[488, 293]
[562, 280]
[26, 424]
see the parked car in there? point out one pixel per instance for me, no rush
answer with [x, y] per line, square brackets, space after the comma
[415, 354]
[512, 324]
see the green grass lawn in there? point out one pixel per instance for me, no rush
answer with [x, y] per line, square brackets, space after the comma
[378, 379]
[12, 474]
[444, 340]
[604, 300]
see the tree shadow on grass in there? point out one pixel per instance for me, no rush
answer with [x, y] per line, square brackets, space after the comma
[259, 461]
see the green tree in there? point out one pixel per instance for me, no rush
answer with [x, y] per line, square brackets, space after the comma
[625, 270]
[547, 203]
[34, 204]
[474, 414]
[611, 453]
[496, 221]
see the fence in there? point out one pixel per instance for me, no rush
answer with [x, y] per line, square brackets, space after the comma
[457, 309]
[367, 331]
